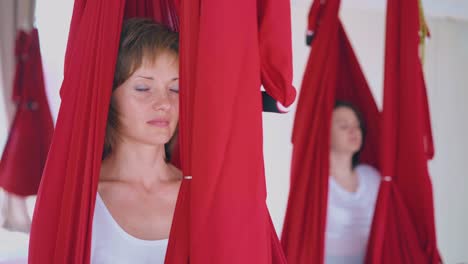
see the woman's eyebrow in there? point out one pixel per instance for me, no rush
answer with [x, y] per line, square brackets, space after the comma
[145, 77]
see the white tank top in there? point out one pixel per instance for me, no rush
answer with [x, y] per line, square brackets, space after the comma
[110, 244]
[349, 218]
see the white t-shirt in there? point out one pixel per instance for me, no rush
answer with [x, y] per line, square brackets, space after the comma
[110, 244]
[349, 218]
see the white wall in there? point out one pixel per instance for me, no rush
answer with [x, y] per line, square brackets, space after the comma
[447, 80]
[53, 37]
[446, 70]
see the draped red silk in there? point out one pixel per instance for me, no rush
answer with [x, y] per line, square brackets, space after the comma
[332, 73]
[31, 131]
[224, 60]
[404, 229]
[221, 214]
[61, 228]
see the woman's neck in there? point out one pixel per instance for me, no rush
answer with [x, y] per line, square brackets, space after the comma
[137, 163]
[341, 169]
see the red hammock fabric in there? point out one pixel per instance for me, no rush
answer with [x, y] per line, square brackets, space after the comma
[332, 73]
[404, 229]
[64, 207]
[224, 59]
[61, 226]
[31, 131]
[221, 215]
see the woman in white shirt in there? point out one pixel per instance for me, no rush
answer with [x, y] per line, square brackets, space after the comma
[352, 191]
[138, 188]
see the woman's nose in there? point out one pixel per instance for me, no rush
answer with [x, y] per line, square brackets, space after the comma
[354, 130]
[161, 101]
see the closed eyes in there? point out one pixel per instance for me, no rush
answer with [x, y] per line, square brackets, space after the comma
[174, 89]
[141, 88]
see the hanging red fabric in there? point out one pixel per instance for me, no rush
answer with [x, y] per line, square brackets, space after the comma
[221, 215]
[404, 229]
[25, 152]
[61, 228]
[224, 60]
[332, 73]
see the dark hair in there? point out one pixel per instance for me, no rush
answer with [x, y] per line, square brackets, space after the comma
[338, 104]
[140, 39]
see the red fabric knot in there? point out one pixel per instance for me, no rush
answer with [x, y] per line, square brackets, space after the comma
[387, 178]
[283, 109]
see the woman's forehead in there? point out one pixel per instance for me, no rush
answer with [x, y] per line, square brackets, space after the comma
[344, 113]
[163, 64]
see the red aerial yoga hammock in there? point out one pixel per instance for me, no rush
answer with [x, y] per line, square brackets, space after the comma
[404, 229]
[393, 240]
[228, 48]
[61, 226]
[31, 131]
[332, 73]
[221, 215]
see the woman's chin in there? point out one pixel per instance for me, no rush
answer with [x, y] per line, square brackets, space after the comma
[354, 150]
[158, 140]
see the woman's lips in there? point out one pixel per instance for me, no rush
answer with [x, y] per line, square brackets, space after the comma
[159, 122]
[354, 139]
